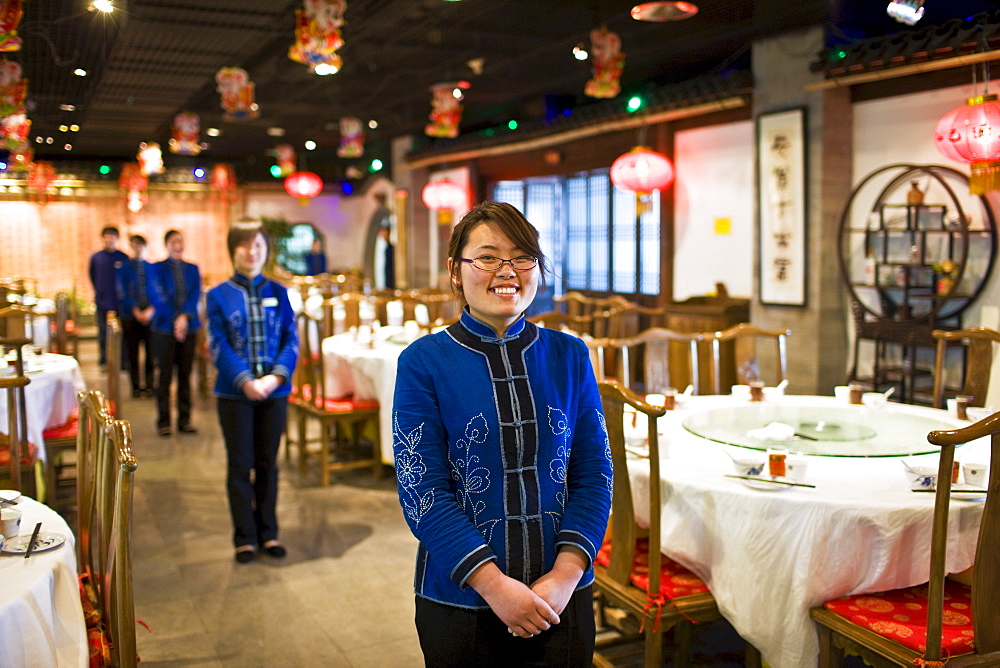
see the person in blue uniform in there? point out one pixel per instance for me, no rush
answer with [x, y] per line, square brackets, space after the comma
[254, 346]
[316, 259]
[175, 290]
[104, 265]
[502, 463]
[136, 313]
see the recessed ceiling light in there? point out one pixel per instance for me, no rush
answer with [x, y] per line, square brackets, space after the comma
[310, 145]
[102, 6]
[664, 11]
[213, 132]
[372, 124]
[74, 128]
[63, 128]
[324, 69]
[80, 72]
[68, 147]
[276, 132]
[67, 107]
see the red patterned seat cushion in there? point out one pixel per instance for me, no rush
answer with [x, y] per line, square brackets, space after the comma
[345, 405]
[901, 616]
[675, 580]
[27, 458]
[65, 430]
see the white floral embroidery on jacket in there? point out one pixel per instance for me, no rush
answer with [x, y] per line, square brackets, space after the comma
[471, 476]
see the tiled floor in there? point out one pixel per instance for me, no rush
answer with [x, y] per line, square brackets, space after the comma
[342, 596]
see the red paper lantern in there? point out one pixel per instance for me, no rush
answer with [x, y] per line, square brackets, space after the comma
[444, 195]
[971, 134]
[642, 171]
[303, 185]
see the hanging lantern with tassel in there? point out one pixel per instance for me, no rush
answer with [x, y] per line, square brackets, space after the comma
[642, 171]
[971, 134]
[304, 185]
[444, 196]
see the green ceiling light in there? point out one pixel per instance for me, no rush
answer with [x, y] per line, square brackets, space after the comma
[512, 124]
[104, 170]
[276, 171]
[375, 166]
[635, 103]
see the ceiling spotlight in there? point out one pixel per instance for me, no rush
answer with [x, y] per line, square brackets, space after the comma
[580, 52]
[372, 124]
[324, 69]
[67, 107]
[213, 132]
[63, 128]
[80, 72]
[68, 147]
[310, 145]
[74, 128]
[664, 11]
[276, 132]
[476, 65]
[906, 11]
[102, 6]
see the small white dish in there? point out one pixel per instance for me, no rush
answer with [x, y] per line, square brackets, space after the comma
[874, 399]
[977, 413]
[749, 466]
[45, 541]
[968, 492]
[767, 484]
[921, 477]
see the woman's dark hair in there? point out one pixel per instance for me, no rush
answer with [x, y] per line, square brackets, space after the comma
[170, 235]
[244, 230]
[507, 220]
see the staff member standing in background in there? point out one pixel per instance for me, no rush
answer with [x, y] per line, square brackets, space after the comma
[254, 345]
[103, 267]
[175, 290]
[136, 313]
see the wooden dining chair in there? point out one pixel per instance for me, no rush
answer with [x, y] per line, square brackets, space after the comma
[644, 361]
[943, 621]
[978, 343]
[641, 592]
[625, 319]
[745, 338]
[336, 418]
[107, 466]
[17, 455]
[558, 320]
[66, 339]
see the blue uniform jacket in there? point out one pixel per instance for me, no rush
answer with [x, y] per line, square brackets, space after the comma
[128, 286]
[161, 296]
[501, 454]
[103, 265]
[229, 335]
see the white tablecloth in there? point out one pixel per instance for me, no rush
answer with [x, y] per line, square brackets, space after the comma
[41, 620]
[367, 372]
[769, 556]
[50, 397]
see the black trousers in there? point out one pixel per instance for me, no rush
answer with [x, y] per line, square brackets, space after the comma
[252, 431]
[135, 333]
[452, 637]
[170, 353]
[102, 335]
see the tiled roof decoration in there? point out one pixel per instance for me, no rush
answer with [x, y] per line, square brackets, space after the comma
[700, 90]
[953, 38]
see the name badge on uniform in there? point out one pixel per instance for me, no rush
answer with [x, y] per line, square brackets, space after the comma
[269, 302]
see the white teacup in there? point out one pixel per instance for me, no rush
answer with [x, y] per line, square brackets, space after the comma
[975, 474]
[10, 522]
[773, 393]
[873, 399]
[842, 393]
[922, 477]
[741, 392]
[750, 466]
[796, 466]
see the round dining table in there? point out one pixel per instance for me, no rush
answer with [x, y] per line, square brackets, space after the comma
[770, 552]
[41, 618]
[50, 397]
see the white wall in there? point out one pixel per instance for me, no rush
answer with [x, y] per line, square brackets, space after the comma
[714, 180]
[901, 130]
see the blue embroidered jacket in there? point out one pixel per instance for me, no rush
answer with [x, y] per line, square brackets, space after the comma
[161, 295]
[127, 281]
[501, 454]
[229, 336]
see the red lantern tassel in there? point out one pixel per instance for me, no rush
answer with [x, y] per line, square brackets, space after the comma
[985, 177]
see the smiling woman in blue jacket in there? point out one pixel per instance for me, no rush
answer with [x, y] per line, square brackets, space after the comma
[254, 346]
[502, 463]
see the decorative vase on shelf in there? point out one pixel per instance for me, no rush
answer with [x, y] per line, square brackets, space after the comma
[915, 196]
[944, 284]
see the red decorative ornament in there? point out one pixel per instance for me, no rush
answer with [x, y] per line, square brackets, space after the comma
[10, 16]
[184, 134]
[317, 34]
[41, 175]
[304, 185]
[608, 61]
[134, 183]
[223, 180]
[444, 195]
[971, 134]
[446, 109]
[642, 170]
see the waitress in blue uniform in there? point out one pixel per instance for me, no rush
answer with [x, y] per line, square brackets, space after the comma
[255, 346]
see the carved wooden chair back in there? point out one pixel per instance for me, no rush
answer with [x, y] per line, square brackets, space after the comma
[748, 355]
[979, 355]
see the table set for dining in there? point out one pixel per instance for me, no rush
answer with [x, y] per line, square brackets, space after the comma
[41, 616]
[770, 551]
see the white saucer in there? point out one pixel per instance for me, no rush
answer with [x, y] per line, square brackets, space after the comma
[45, 541]
[766, 485]
[9, 494]
[967, 492]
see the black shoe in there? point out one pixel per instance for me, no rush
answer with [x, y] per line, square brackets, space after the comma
[244, 556]
[136, 394]
[276, 550]
[148, 393]
[187, 429]
[163, 431]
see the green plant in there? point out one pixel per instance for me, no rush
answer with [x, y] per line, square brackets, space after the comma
[278, 229]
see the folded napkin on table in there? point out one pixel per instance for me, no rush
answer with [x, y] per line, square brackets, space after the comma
[774, 431]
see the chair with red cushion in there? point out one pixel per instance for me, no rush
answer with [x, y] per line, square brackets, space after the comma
[642, 592]
[941, 621]
[336, 417]
[14, 334]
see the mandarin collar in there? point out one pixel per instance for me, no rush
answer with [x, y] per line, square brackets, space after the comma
[246, 282]
[486, 333]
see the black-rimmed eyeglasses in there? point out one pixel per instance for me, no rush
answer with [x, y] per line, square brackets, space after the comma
[490, 263]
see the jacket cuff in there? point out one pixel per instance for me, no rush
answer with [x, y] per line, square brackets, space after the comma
[578, 540]
[282, 371]
[470, 563]
[241, 378]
